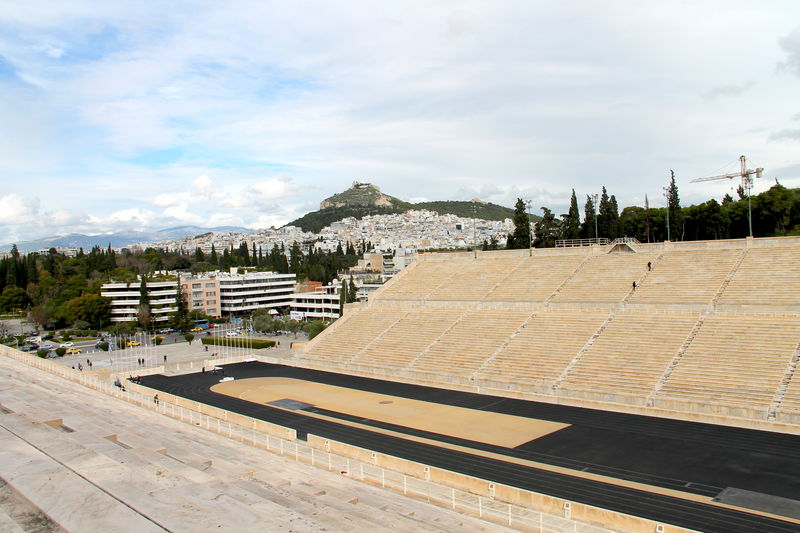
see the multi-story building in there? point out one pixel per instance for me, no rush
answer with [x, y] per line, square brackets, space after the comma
[322, 303]
[230, 293]
[162, 297]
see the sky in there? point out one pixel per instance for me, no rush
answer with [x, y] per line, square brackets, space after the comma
[144, 115]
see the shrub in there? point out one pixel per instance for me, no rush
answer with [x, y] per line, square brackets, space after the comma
[236, 342]
[61, 351]
[41, 352]
[103, 346]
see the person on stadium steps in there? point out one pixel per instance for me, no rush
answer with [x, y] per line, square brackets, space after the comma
[634, 285]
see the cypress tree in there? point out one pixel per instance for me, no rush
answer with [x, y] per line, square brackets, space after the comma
[521, 238]
[572, 222]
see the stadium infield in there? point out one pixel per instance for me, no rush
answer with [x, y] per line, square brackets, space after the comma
[664, 470]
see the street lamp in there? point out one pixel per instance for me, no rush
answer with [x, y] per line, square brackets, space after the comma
[530, 228]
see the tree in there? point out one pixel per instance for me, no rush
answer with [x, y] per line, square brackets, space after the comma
[351, 291]
[143, 314]
[608, 216]
[91, 308]
[189, 337]
[588, 228]
[547, 230]
[674, 209]
[13, 298]
[314, 328]
[521, 237]
[571, 227]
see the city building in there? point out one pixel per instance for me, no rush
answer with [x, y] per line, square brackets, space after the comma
[322, 304]
[162, 297]
[231, 293]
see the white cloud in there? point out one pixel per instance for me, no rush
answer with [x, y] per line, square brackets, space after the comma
[731, 89]
[274, 189]
[66, 218]
[204, 186]
[180, 212]
[167, 199]
[15, 209]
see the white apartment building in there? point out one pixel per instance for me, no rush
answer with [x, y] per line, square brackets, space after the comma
[230, 293]
[321, 304]
[162, 296]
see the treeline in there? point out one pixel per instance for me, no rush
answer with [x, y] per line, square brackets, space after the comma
[61, 291]
[775, 212]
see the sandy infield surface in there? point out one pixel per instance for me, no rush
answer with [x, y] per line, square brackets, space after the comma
[481, 426]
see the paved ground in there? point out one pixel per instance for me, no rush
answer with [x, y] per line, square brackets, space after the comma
[176, 354]
[112, 466]
[700, 460]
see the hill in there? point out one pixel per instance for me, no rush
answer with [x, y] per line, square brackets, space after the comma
[118, 239]
[366, 199]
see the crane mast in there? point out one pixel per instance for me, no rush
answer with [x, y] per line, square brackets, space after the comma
[746, 176]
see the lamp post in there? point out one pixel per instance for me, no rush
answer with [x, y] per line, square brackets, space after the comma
[530, 229]
[596, 236]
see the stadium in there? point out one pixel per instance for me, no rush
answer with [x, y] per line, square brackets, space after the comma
[619, 387]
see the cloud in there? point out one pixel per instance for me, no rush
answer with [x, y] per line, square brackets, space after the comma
[785, 135]
[66, 218]
[15, 209]
[273, 189]
[791, 45]
[180, 212]
[732, 89]
[204, 186]
[167, 199]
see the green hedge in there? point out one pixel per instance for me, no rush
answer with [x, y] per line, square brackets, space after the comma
[239, 342]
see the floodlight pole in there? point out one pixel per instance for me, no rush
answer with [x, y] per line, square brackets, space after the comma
[596, 236]
[530, 228]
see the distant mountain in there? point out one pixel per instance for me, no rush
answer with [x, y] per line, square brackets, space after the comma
[119, 239]
[366, 199]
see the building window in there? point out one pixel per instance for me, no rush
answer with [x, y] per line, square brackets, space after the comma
[196, 285]
[210, 293]
[209, 285]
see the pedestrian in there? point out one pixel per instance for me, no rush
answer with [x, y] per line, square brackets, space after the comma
[90, 364]
[634, 285]
[165, 358]
[203, 370]
[155, 400]
[649, 266]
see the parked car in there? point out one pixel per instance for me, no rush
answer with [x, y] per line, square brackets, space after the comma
[166, 330]
[28, 347]
[134, 343]
[73, 351]
[48, 346]
[66, 345]
[231, 334]
[196, 329]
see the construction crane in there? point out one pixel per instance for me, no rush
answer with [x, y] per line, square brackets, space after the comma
[747, 184]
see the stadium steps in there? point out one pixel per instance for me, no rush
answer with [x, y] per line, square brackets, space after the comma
[502, 347]
[436, 340]
[791, 369]
[689, 338]
[644, 276]
[581, 353]
[375, 340]
[563, 284]
[734, 269]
